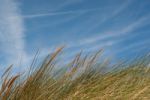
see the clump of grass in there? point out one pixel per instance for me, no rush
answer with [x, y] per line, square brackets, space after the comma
[82, 79]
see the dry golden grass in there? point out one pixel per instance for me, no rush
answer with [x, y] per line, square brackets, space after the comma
[83, 79]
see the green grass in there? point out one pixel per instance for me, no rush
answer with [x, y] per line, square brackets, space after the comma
[82, 79]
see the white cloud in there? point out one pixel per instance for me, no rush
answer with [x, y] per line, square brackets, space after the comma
[133, 46]
[56, 10]
[111, 33]
[66, 3]
[133, 26]
[81, 11]
[11, 32]
[113, 14]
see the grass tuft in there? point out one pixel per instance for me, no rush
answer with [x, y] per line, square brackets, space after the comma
[84, 78]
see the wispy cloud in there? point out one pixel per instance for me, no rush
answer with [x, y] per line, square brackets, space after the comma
[11, 32]
[60, 13]
[111, 34]
[134, 25]
[106, 34]
[113, 14]
[124, 31]
[67, 3]
[134, 46]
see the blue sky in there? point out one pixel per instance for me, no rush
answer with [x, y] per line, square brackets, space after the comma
[120, 27]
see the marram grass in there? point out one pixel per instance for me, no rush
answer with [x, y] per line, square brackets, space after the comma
[82, 79]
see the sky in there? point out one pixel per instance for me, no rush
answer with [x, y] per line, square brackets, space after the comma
[120, 27]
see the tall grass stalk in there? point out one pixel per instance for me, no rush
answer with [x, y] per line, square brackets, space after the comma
[84, 78]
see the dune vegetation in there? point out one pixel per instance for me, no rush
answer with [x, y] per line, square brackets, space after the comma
[84, 78]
